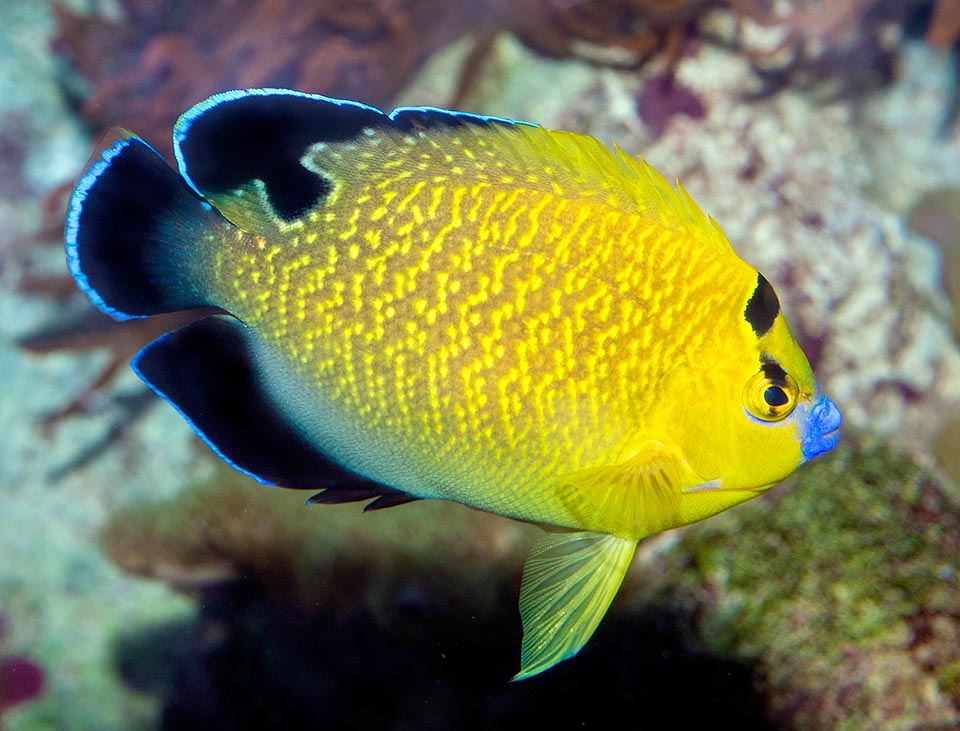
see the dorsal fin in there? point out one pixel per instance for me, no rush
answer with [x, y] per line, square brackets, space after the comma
[266, 158]
[244, 150]
[234, 138]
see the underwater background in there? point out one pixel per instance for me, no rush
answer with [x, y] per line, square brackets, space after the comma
[143, 585]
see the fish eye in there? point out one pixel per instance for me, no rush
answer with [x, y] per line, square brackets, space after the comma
[768, 398]
[775, 396]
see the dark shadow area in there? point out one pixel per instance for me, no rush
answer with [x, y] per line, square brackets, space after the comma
[247, 664]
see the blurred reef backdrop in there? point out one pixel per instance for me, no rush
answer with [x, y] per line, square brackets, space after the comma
[145, 586]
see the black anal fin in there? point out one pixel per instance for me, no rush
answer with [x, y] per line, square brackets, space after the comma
[390, 500]
[205, 371]
[380, 499]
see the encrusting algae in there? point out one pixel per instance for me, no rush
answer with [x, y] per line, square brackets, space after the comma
[843, 587]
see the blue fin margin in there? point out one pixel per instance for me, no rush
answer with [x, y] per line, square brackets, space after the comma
[133, 231]
[87, 181]
[205, 371]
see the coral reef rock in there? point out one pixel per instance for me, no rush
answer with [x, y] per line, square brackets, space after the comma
[842, 584]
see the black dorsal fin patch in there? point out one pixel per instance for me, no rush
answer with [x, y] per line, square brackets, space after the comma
[206, 372]
[763, 307]
[240, 136]
[233, 138]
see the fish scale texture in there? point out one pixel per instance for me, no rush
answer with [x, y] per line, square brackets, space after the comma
[455, 305]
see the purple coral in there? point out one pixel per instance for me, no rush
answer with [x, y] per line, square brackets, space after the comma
[21, 679]
[662, 98]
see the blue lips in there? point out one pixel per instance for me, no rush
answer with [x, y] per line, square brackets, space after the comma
[822, 429]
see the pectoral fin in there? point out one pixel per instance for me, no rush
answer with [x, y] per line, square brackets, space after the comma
[569, 581]
[636, 497]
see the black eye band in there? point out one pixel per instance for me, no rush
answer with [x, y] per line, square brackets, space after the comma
[762, 308]
[774, 372]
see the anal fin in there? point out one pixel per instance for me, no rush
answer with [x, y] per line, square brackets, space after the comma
[207, 373]
[569, 581]
[380, 499]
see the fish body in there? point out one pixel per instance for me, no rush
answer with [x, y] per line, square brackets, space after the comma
[431, 304]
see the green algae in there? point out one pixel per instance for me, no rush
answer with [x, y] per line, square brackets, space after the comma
[872, 562]
[841, 584]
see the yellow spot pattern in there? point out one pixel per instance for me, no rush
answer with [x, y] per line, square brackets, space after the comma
[495, 324]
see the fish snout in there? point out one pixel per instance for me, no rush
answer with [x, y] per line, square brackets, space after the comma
[822, 430]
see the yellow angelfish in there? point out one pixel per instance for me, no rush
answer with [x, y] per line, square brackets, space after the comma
[431, 304]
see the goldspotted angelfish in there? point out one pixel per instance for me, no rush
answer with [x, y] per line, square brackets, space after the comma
[433, 304]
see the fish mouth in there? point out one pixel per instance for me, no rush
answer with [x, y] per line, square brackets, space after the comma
[822, 429]
[831, 438]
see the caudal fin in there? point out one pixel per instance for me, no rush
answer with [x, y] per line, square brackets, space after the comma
[134, 232]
